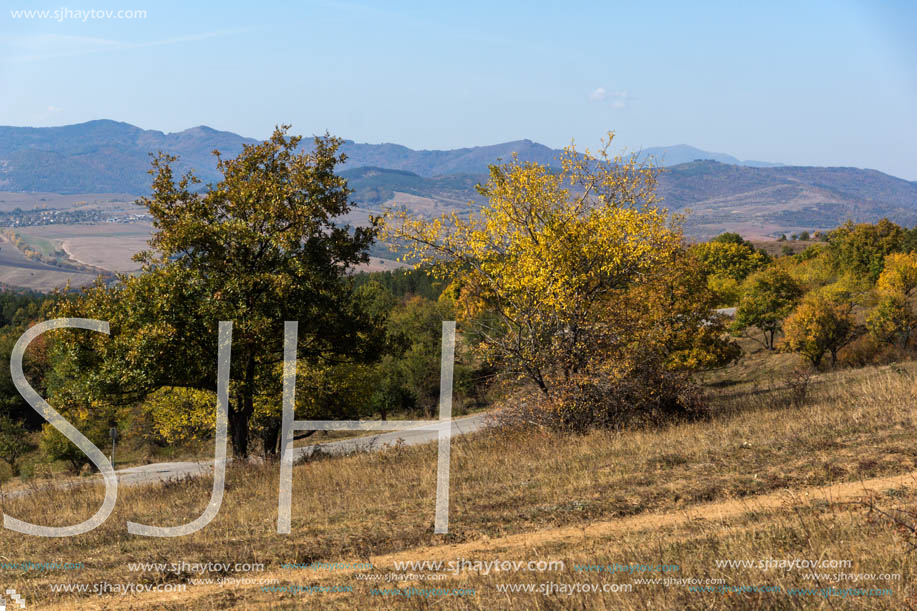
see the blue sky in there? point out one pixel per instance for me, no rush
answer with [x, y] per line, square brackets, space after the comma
[820, 83]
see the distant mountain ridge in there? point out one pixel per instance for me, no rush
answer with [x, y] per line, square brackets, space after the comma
[683, 153]
[757, 201]
[108, 156]
[757, 198]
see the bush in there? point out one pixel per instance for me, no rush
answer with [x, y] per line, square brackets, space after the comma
[868, 350]
[14, 443]
[635, 394]
[54, 446]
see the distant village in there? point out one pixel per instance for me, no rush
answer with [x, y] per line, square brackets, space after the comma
[30, 218]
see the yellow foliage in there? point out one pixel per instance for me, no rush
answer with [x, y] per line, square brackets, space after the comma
[899, 276]
[547, 253]
[822, 323]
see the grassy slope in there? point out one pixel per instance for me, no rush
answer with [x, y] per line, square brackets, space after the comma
[628, 494]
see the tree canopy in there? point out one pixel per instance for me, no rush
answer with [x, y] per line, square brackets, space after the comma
[262, 246]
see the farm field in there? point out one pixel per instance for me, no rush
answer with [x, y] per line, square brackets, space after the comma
[18, 271]
[108, 246]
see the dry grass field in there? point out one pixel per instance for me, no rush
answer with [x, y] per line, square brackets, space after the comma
[108, 246]
[777, 471]
[19, 271]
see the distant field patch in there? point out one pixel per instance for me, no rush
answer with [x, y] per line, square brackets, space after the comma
[108, 246]
[17, 270]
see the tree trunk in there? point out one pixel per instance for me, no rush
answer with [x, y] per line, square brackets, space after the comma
[270, 437]
[238, 433]
[240, 417]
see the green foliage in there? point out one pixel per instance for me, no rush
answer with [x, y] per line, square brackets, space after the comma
[727, 263]
[16, 312]
[894, 318]
[404, 282]
[768, 297]
[261, 246]
[14, 442]
[55, 447]
[861, 249]
[728, 237]
[730, 259]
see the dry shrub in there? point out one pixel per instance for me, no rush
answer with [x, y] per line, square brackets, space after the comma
[798, 383]
[867, 350]
[636, 393]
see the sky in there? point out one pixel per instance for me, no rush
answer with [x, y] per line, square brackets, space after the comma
[809, 83]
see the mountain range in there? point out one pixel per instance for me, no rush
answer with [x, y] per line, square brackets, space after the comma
[108, 156]
[723, 192]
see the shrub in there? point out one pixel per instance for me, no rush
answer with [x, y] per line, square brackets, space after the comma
[632, 394]
[14, 442]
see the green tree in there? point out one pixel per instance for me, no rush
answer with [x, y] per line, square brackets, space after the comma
[14, 442]
[729, 237]
[727, 263]
[730, 259]
[861, 249]
[263, 245]
[768, 297]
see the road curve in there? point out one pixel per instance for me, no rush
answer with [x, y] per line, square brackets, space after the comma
[164, 471]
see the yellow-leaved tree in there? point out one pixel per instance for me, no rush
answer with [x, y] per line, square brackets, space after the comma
[543, 273]
[893, 318]
[822, 324]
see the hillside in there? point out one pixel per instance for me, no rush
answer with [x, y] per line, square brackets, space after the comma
[109, 156]
[762, 201]
[758, 199]
[747, 483]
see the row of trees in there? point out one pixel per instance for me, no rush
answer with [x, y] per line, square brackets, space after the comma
[574, 283]
[861, 280]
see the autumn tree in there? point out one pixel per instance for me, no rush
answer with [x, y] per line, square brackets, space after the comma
[541, 267]
[673, 312]
[263, 245]
[728, 259]
[822, 323]
[893, 317]
[767, 298]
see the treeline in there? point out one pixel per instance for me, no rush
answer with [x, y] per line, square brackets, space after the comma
[849, 297]
[17, 418]
[402, 382]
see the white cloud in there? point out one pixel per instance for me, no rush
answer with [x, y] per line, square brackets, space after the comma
[616, 99]
[55, 109]
[598, 95]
